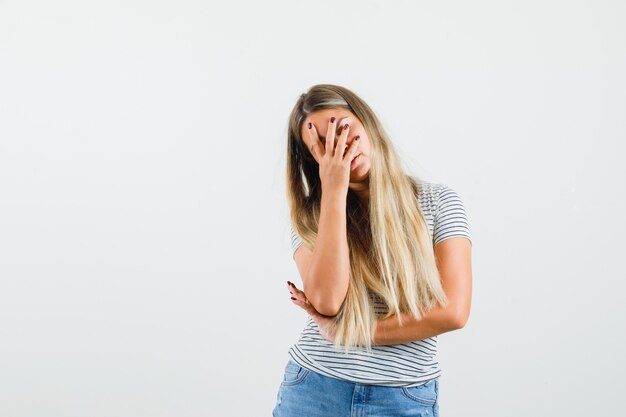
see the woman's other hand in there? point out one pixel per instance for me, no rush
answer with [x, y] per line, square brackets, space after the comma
[323, 322]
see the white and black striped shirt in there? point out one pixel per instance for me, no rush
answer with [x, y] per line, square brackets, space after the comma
[400, 365]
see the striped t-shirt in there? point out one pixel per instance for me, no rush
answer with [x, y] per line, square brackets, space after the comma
[400, 365]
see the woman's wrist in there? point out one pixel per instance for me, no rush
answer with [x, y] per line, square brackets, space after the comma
[334, 198]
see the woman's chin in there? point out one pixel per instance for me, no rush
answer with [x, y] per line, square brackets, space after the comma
[359, 172]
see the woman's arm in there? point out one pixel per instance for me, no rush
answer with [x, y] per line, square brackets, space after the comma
[325, 271]
[437, 321]
[454, 263]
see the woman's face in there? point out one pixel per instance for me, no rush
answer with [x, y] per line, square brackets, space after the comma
[321, 119]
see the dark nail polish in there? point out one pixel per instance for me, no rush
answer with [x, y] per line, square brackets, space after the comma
[357, 138]
[345, 126]
[292, 298]
[309, 125]
[332, 119]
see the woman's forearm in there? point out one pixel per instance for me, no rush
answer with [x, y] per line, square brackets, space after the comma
[329, 272]
[434, 322]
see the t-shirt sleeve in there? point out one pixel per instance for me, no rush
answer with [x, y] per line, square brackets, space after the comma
[450, 216]
[295, 241]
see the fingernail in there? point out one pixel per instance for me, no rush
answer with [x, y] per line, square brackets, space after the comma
[309, 125]
[357, 138]
[345, 126]
[332, 119]
[292, 298]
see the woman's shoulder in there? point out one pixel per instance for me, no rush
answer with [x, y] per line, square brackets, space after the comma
[429, 191]
[431, 187]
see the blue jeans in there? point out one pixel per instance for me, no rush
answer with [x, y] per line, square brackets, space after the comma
[304, 393]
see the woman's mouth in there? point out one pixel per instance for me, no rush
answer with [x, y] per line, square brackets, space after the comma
[354, 161]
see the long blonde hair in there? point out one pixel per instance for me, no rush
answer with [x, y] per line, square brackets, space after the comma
[391, 252]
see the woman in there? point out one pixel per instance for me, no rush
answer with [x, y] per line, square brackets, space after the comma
[385, 263]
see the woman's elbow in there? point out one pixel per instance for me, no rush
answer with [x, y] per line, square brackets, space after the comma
[459, 318]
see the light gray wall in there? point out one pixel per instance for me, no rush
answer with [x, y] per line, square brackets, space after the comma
[144, 241]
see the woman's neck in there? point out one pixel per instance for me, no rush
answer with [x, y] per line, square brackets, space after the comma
[362, 190]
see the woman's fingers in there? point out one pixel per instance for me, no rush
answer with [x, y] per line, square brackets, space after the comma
[315, 152]
[330, 135]
[305, 306]
[352, 150]
[301, 301]
[329, 141]
[341, 144]
[300, 298]
[294, 290]
[315, 141]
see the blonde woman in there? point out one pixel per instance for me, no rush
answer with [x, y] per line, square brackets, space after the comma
[385, 264]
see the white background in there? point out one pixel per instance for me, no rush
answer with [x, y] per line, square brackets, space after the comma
[144, 242]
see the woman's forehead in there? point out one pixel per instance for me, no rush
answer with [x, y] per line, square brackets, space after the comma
[326, 114]
[321, 118]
